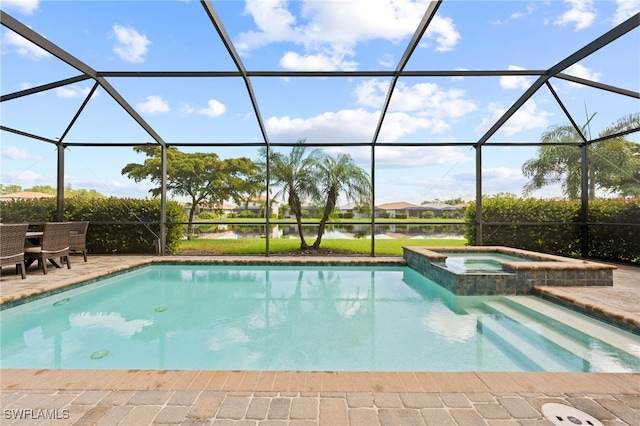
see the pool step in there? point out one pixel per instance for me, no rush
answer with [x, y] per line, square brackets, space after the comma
[548, 332]
[541, 321]
[514, 342]
[614, 336]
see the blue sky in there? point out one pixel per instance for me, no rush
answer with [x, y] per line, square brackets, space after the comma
[310, 35]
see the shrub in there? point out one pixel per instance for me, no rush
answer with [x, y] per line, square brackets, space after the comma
[129, 225]
[611, 234]
[207, 215]
[609, 237]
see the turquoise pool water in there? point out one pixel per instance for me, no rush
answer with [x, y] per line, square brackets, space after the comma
[243, 317]
[479, 261]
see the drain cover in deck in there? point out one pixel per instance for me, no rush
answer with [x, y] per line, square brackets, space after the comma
[566, 415]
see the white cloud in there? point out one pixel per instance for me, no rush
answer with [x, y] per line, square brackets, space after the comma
[131, 46]
[344, 125]
[407, 156]
[15, 153]
[317, 62]
[519, 14]
[274, 23]
[26, 178]
[329, 31]
[515, 81]
[420, 107]
[581, 14]
[516, 15]
[74, 92]
[494, 180]
[425, 99]
[350, 125]
[187, 109]
[371, 93]
[431, 100]
[528, 117]
[153, 105]
[26, 7]
[213, 109]
[444, 31]
[22, 46]
[581, 71]
[625, 10]
[387, 60]
[397, 125]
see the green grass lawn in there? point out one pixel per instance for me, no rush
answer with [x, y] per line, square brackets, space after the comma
[283, 245]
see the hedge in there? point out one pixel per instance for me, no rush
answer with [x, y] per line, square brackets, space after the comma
[607, 241]
[615, 242]
[132, 224]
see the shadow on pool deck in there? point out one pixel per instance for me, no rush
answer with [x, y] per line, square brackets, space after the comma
[332, 398]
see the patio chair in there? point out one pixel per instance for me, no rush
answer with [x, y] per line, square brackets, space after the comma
[12, 238]
[54, 243]
[78, 237]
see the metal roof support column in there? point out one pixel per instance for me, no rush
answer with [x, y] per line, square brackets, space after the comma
[60, 184]
[584, 198]
[479, 218]
[267, 200]
[163, 202]
[373, 200]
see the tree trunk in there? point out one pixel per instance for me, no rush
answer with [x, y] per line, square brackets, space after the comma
[192, 212]
[328, 208]
[592, 184]
[294, 204]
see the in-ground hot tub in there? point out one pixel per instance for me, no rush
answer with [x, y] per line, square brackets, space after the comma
[495, 270]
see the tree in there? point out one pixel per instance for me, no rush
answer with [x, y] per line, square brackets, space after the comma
[9, 189]
[85, 194]
[610, 162]
[296, 175]
[629, 186]
[338, 176]
[45, 189]
[199, 176]
[318, 178]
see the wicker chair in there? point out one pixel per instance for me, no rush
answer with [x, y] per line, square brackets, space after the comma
[55, 243]
[78, 237]
[12, 246]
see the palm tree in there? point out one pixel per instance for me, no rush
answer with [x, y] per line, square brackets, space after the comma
[339, 175]
[296, 175]
[610, 162]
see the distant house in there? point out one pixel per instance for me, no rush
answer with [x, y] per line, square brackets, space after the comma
[399, 209]
[308, 210]
[24, 195]
[404, 209]
[354, 211]
[216, 208]
[256, 205]
[439, 208]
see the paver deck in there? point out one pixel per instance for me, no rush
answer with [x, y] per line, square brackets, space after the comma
[138, 397]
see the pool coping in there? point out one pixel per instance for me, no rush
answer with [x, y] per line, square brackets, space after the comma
[322, 381]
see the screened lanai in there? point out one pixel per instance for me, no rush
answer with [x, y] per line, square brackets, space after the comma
[439, 103]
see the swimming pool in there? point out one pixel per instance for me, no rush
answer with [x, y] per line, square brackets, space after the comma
[261, 317]
[463, 262]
